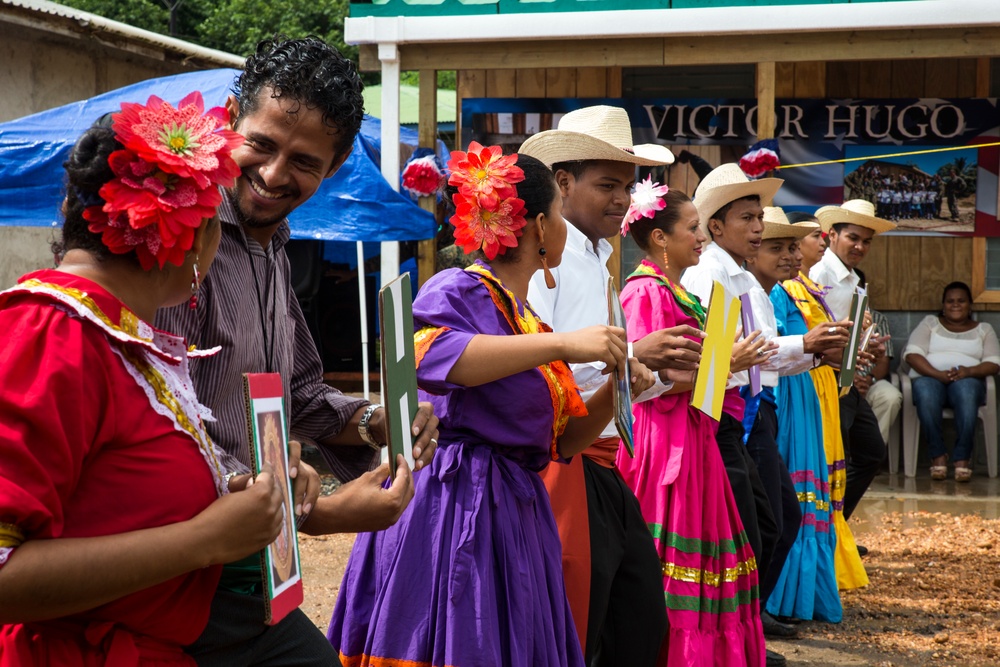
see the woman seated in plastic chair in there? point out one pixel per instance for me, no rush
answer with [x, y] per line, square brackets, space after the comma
[950, 355]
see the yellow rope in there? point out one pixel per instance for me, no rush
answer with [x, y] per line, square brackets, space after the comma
[878, 157]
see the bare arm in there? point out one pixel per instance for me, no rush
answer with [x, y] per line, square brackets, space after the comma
[919, 363]
[363, 505]
[52, 578]
[424, 429]
[489, 358]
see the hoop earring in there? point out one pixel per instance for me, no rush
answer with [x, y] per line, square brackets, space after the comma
[550, 280]
[195, 284]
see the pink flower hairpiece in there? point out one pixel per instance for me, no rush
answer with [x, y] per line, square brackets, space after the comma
[422, 177]
[488, 214]
[167, 178]
[647, 199]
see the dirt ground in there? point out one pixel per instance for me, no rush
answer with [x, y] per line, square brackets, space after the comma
[934, 597]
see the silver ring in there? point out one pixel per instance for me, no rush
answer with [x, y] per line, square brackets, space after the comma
[435, 441]
[760, 352]
[832, 330]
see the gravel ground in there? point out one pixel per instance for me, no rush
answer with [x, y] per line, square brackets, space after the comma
[934, 598]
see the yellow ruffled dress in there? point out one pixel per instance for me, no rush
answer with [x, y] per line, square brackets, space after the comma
[850, 570]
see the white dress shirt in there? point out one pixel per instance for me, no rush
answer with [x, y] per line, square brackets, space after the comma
[717, 265]
[580, 300]
[789, 359]
[842, 281]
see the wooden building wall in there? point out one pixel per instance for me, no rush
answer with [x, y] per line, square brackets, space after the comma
[905, 273]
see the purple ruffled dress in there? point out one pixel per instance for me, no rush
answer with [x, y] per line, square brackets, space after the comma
[471, 573]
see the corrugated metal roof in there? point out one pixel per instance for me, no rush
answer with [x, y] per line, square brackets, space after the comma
[42, 15]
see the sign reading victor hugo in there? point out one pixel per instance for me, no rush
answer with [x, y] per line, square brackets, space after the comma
[919, 161]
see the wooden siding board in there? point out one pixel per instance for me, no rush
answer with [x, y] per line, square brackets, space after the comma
[784, 80]
[531, 83]
[875, 79]
[875, 270]
[560, 82]
[810, 79]
[907, 78]
[903, 288]
[843, 79]
[591, 82]
[941, 77]
[937, 269]
[501, 83]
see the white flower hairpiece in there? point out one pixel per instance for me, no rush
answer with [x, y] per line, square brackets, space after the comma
[647, 199]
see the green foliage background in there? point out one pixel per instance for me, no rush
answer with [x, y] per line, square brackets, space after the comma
[235, 26]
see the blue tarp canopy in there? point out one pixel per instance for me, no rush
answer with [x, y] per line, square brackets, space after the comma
[355, 204]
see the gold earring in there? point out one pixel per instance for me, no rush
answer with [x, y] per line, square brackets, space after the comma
[666, 260]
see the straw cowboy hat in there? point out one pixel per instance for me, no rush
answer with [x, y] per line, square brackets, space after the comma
[727, 183]
[594, 133]
[860, 212]
[776, 226]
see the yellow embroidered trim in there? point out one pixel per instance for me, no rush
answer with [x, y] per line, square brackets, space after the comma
[10, 535]
[129, 326]
[423, 339]
[167, 398]
[810, 497]
[694, 575]
[812, 310]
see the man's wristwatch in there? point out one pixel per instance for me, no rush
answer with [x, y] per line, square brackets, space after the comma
[365, 432]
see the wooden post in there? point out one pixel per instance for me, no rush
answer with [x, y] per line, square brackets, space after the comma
[982, 77]
[615, 261]
[765, 100]
[427, 249]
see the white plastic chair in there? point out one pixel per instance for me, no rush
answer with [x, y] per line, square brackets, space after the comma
[894, 444]
[911, 425]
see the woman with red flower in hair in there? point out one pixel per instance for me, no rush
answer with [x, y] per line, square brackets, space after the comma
[115, 514]
[471, 574]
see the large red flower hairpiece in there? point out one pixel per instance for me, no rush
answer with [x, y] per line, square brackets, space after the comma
[488, 214]
[167, 178]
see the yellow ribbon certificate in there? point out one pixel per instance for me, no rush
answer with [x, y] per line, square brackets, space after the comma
[716, 352]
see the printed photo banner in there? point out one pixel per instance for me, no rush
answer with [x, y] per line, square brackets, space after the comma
[716, 352]
[927, 164]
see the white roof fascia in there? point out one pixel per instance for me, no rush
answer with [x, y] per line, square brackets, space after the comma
[637, 23]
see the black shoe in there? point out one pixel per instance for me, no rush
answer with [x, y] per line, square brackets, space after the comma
[775, 659]
[862, 551]
[776, 629]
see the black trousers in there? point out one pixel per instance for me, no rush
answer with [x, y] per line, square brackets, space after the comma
[628, 614]
[751, 497]
[863, 446]
[780, 489]
[236, 635]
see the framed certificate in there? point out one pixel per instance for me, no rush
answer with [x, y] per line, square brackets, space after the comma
[716, 353]
[622, 388]
[399, 368]
[267, 425]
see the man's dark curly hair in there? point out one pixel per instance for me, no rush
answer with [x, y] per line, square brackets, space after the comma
[310, 72]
